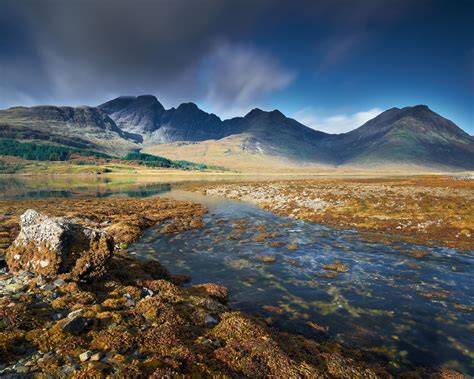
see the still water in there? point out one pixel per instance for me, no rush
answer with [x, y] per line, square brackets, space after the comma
[411, 302]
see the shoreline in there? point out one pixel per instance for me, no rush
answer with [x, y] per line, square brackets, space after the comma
[424, 210]
[230, 342]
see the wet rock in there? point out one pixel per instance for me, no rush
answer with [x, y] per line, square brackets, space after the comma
[215, 291]
[267, 258]
[336, 266]
[55, 245]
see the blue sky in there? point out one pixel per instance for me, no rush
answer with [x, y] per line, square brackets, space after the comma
[330, 64]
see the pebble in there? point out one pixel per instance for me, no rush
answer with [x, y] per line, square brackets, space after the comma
[77, 312]
[49, 287]
[59, 282]
[209, 320]
[58, 316]
[22, 369]
[15, 288]
[96, 357]
[85, 355]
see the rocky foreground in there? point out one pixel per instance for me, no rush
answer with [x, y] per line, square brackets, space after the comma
[427, 210]
[74, 303]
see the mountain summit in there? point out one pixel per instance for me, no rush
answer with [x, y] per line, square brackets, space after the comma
[408, 135]
[411, 136]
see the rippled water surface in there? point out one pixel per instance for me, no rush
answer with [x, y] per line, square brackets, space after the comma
[408, 301]
[389, 300]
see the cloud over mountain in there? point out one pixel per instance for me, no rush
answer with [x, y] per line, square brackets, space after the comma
[338, 123]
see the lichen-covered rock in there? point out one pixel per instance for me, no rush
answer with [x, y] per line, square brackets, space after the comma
[55, 245]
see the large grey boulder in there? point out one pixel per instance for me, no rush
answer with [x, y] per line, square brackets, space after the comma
[56, 245]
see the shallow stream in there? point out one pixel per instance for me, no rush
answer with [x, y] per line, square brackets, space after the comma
[408, 301]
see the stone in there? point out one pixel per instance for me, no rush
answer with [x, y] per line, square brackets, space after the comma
[48, 287]
[96, 357]
[75, 313]
[85, 355]
[76, 325]
[22, 369]
[15, 287]
[58, 316]
[51, 246]
[59, 282]
[209, 320]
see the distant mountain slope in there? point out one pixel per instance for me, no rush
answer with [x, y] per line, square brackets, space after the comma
[145, 115]
[409, 135]
[269, 133]
[274, 134]
[81, 127]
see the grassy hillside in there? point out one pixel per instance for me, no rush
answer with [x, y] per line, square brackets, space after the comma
[29, 151]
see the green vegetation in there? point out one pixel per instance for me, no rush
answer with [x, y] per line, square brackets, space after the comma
[46, 152]
[43, 152]
[156, 161]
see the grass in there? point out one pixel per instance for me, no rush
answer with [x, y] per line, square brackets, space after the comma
[46, 158]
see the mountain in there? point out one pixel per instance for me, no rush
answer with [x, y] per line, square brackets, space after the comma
[135, 114]
[268, 133]
[81, 127]
[274, 134]
[145, 115]
[414, 135]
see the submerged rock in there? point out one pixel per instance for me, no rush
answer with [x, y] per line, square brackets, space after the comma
[55, 245]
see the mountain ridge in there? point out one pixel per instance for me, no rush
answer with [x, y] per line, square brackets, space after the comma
[409, 135]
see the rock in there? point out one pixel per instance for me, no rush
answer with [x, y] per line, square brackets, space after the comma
[76, 325]
[215, 291]
[85, 355]
[15, 287]
[209, 320]
[267, 258]
[75, 313]
[48, 287]
[59, 282]
[96, 357]
[56, 245]
[57, 316]
[22, 369]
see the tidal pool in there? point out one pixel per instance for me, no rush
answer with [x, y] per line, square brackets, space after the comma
[411, 302]
[414, 303]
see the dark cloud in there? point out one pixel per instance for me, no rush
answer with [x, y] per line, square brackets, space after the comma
[87, 50]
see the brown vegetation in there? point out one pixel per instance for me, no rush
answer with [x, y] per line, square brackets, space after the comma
[424, 209]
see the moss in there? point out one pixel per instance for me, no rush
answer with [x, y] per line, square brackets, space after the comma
[114, 339]
[336, 266]
[267, 258]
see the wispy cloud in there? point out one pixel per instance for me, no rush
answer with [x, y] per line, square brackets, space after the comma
[339, 123]
[237, 77]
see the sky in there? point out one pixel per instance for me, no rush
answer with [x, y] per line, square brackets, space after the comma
[330, 64]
